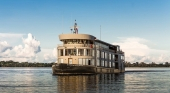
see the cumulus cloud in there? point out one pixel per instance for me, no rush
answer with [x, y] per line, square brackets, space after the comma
[25, 52]
[4, 46]
[137, 50]
[32, 44]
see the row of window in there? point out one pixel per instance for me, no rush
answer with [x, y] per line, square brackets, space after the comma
[103, 63]
[85, 61]
[75, 52]
[77, 41]
[101, 45]
[88, 52]
[106, 55]
[81, 61]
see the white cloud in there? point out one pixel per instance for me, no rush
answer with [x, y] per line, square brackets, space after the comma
[4, 46]
[25, 52]
[137, 50]
[32, 44]
[30, 49]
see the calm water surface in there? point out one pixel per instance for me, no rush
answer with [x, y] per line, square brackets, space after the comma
[41, 80]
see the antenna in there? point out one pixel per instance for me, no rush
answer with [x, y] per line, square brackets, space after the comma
[71, 23]
[100, 32]
[74, 29]
[100, 37]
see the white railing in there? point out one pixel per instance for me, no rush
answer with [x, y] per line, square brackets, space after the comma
[76, 45]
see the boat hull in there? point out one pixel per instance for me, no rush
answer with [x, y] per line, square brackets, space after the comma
[64, 69]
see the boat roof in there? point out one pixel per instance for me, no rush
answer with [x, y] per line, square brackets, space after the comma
[100, 41]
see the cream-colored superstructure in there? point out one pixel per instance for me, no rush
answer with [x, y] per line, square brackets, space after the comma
[86, 50]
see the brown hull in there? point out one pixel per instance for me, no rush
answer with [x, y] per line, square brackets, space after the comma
[64, 69]
[67, 69]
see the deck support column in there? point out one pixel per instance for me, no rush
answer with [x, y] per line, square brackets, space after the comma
[77, 52]
[84, 52]
[63, 52]
[58, 52]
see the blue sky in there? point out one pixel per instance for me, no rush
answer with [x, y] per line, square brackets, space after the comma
[148, 20]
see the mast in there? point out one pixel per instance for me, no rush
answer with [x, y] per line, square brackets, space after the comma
[74, 29]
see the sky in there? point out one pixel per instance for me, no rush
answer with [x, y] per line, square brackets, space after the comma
[29, 29]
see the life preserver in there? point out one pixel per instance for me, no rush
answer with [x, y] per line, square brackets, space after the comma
[91, 46]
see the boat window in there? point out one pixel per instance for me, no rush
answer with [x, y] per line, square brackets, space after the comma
[87, 60]
[60, 60]
[84, 61]
[80, 61]
[92, 62]
[105, 55]
[116, 57]
[106, 63]
[110, 64]
[118, 49]
[89, 52]
[70, 52]
[70, 60]
[80, 52]
[113, 56]
[61, 52]
[102, 54]
[110, 56]
[74, 41]
[98, 53]
[113, 64]
[122, 57]
[102, 63]
[92, 52]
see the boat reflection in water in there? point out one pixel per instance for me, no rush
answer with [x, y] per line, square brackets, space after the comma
[102, 83]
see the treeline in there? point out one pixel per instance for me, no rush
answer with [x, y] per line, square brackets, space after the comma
[37, 64]
[24, 64]
[143, 64]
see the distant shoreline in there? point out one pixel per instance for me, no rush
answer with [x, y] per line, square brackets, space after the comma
[143, 64]
[37, 64]
[24, 64]
[25, 67]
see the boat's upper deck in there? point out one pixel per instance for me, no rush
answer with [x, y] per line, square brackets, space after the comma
[76, 36]
[74, 40]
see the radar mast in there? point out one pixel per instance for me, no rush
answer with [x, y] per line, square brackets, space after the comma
[75, 31]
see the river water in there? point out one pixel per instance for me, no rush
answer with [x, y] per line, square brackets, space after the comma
[41, 80]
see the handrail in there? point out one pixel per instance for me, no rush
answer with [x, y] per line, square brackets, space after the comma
[76, 45]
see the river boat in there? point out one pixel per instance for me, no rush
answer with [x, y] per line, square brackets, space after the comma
[85, 54]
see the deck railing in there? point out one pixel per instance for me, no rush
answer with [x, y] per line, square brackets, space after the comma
[88, 45]
[76, 45]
